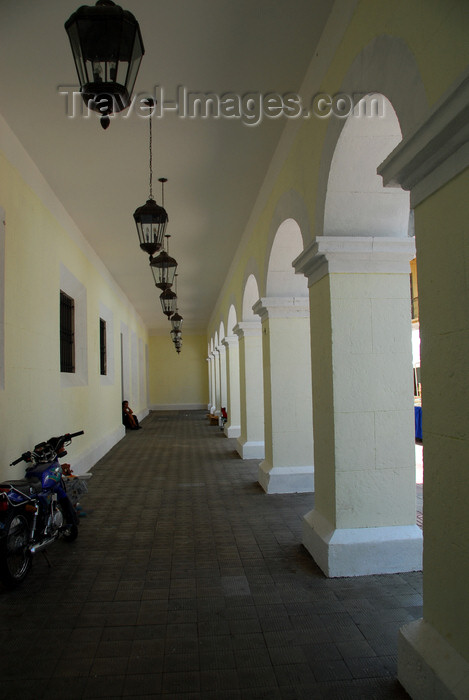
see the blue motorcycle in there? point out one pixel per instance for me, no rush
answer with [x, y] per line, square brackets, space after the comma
[36, 510]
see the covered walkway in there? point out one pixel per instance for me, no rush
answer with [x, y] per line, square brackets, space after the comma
[188, 581]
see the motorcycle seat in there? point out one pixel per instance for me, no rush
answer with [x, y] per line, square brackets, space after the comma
[24, 486]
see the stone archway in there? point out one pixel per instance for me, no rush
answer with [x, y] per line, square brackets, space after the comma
[358, 274]
[284, 312]
[248, 330]
[232, 426]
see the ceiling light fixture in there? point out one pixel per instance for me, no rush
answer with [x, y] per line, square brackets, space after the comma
[163, 268]
[168, 301]
[107, 48]
[151, 220]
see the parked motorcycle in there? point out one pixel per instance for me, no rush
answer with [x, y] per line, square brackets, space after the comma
[36, 510]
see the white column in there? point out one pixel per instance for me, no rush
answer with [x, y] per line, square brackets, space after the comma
[233, 424]
[209, 371]
[213, 385]
[216, 374]
[222, 362]
[433, 658]
[363, 521]
[288, 409]
[251, 440]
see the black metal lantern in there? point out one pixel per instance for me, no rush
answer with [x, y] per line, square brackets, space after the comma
[163, 269]
[176, 336]
[107, 47]
[151, 220]
[168, 301]
[176, 321]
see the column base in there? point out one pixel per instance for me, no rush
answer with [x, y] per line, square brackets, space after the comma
[251, 449]
[232, 431]
[362, 551]
[286, 479]
[428, 667]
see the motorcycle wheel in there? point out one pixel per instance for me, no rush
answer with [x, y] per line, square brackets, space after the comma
[69, 530]
[15, 557]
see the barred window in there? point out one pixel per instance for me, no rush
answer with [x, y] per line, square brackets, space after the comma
[67, 333]
[102, 347]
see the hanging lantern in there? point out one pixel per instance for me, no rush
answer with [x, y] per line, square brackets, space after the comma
[151, 220]
[168, 301]
[176, 321]
[107, 48]
[163, 268]
[176, 336]
[176, 318]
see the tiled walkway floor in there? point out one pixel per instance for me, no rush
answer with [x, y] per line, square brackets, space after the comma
[187, 581]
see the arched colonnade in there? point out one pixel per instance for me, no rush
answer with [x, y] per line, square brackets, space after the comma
[313, 339]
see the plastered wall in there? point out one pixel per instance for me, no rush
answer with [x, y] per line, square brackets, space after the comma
[178, 381]
[403, 29]
[40, 256]
[443, 268]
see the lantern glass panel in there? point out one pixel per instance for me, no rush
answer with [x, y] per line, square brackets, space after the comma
[176, 321]
[151, 221]
[163, 269]
[168, 301]
[107, 48]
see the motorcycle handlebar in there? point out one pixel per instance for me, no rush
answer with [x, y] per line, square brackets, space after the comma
[26, 456]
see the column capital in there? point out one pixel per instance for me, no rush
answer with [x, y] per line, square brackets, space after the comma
[221, 348]
[437, 150]
[354, 254]
[230, 340]
[282, 307]
[248, 329]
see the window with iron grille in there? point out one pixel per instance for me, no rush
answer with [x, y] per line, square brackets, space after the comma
[102, 346]
[67, 333]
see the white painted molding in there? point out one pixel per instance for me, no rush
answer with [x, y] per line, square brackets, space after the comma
[179, 406]
[230, 340]
[429, 667]
[286, 479]
[88, 458]
[282, 307]
[248, 329]
[232, 431]
[436, 151]
[362, 551]
[221, 349]
[350, 254]
[251, 449]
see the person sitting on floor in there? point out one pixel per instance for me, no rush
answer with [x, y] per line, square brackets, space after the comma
[129, 418]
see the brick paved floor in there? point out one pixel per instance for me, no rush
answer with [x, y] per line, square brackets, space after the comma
[187, 581]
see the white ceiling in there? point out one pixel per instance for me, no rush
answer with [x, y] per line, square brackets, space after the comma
[215, 167]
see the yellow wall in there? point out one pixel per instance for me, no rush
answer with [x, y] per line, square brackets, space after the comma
[178, 381]
[34, 404]
[432, 37]
[439, 61]
[442, 231]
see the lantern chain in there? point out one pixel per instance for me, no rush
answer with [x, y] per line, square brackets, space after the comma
[151, 158]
